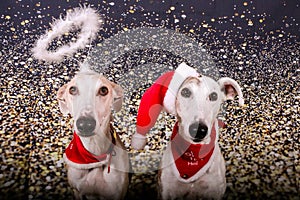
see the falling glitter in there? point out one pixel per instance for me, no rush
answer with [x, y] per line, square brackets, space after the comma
[248, 41]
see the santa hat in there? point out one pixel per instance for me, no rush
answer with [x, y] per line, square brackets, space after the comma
[161, 95]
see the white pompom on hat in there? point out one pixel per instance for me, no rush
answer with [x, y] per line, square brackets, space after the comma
[161, 95]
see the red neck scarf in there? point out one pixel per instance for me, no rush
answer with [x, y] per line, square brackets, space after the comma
[76, 152]
[190, 158]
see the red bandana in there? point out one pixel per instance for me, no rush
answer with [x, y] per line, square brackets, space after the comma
[190, 158]
[76, 152]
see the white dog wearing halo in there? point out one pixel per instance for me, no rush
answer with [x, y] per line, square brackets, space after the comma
[96, 159]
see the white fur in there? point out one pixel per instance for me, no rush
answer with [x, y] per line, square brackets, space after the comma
[93, 180]
[84, 18]
[210, 181]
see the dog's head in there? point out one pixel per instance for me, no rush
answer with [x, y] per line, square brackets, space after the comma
[198, 103]
[89, 98]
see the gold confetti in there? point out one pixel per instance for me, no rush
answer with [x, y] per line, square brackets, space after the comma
[258, 141]
[250, 23]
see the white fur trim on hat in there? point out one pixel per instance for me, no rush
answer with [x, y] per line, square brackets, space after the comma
[181, 74]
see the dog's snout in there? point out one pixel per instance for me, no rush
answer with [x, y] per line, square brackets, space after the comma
[89, 108]
[86, 125]
[198, 131]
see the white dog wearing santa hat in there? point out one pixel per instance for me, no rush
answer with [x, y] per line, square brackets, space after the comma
[192, 166]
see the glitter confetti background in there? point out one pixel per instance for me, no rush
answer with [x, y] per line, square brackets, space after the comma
[253, 42]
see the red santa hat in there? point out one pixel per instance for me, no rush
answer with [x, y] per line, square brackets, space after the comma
[161, 95]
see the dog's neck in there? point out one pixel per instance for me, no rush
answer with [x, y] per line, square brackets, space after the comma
[101, 141]
[207, 143]
[191, 159]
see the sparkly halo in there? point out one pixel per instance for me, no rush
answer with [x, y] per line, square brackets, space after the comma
[84, 18]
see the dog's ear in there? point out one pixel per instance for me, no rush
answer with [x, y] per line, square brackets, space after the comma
[231, 88]
[62, 100]
[117, 96]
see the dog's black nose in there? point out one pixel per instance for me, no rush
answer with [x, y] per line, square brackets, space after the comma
[86, 125]
[198, 131]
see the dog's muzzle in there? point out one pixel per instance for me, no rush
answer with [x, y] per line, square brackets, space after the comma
[86, 126]
[198, 131]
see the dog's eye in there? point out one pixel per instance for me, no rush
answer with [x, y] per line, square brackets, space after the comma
[186, 93]
[73, 90]
[103, 91]
[213, 96]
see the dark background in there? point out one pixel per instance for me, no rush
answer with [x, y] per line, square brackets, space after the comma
[277, 15]
[31, 122]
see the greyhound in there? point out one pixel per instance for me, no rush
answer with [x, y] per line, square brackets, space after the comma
[192, 166]
[199, 169]
[96, 159]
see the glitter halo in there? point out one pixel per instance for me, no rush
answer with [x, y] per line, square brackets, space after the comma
[84, 18]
